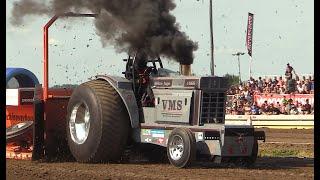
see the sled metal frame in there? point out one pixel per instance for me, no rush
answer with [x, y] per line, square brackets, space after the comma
[48, 131]
[46, 47]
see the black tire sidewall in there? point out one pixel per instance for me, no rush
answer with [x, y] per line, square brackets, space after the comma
[83, 152]
[193, 147]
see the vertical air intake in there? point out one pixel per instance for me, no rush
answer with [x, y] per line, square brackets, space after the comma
[185, 70]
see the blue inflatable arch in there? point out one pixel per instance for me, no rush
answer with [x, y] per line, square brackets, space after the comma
[24, 77]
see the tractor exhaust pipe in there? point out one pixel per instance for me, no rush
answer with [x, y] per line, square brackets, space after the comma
[185, 69]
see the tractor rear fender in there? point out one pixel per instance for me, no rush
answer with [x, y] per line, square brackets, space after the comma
[124, 88]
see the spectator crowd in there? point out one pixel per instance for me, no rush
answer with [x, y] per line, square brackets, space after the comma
[241, 97]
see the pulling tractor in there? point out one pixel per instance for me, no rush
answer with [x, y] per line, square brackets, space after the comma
[176, 111]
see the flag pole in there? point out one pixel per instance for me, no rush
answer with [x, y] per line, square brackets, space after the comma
[250, 68]
[211, 40]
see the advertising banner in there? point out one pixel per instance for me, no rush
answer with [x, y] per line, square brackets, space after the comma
[274, 98]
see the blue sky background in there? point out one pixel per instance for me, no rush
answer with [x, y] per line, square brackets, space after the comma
[283, 32]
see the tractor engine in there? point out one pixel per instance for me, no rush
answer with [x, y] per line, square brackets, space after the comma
[170, 97]
[187, 99]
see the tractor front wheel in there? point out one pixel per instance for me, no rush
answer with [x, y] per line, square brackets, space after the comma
[181, 147]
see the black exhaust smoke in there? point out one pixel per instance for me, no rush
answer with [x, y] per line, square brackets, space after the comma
[129, 25]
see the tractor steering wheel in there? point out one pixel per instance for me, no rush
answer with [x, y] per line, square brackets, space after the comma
[147, 71]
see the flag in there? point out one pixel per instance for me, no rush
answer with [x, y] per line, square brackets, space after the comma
[249, 34]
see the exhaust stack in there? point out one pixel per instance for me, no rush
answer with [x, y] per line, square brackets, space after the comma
[185, 69]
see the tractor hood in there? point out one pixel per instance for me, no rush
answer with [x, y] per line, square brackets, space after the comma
[189, 82]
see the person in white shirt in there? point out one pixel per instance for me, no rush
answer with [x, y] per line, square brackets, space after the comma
[300, 88]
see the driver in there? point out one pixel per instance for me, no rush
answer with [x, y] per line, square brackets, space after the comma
[143, 71]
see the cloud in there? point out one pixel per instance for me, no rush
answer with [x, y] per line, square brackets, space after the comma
[226, 50]
[18, 30]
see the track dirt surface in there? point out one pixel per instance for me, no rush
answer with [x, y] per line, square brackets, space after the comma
[265, 168]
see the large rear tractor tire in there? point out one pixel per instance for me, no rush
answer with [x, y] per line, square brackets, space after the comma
[97, 123]
[181, 147]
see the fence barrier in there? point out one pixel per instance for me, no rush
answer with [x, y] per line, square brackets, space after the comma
[273, 121]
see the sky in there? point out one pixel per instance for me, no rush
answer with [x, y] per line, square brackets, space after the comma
[283, 32]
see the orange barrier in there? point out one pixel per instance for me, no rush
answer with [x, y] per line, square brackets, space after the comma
[19, 109]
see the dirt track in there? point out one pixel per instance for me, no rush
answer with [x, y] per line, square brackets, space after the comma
[289, 135]
[266, 167]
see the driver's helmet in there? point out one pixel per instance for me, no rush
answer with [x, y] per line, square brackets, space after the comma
[141, 59]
